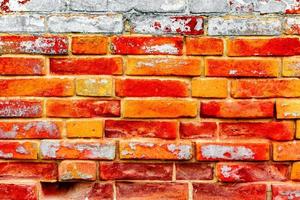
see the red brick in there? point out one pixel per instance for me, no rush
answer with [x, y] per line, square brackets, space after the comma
[18, 191]
[30, 129]
[82, 108]
[89, 45]
[149, 129]
[69, 190]
[216, 191]
[50, 45]
[77, 149]
[29, 170]
[22, 66]
[147, 45]
[251, 172]
[151, 87]
[263, 47]
[135, 171]
[285, 191]
[46, 87]
[238, 109]
[88, 66]
[266, 130]
[77, 170]
[204, 46]
[232, 151]
[192, 130]
[263, 88]
[21, 108]
[245, 67]
[18, 150]
[150, 191]
[194, 171]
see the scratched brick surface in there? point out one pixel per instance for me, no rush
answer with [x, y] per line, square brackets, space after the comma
[149, 100]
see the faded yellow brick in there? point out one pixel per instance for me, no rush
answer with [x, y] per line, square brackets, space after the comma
[288, 108]
[291, 67]
[295, 174]
[215, 87]
[94, 86]
[84, 128]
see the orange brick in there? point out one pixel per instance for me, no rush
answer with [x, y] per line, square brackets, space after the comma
[204, 46]
[84, 128]
[288, 108]
[232, 151]
[242, 67]
[284, 151]
[22, 66]
[18, 150]
[139, 45]
[160, 66]
[203, 87]
[89, 45]
[291, 67]
[151, 87]
[37, 87]
[295, 173]
[77, 170]
[265, 88]
[238, 109]
[154, 150]
[168, 108]
[263, 47]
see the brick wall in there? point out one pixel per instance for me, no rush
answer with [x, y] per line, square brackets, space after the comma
[149, 99]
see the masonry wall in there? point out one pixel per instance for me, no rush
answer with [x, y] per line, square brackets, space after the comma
[149, 99]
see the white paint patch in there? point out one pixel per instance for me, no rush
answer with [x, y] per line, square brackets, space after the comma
[49, 148]
[182, 151]
[165, 48]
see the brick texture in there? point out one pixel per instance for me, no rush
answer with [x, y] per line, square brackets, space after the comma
[149, 100]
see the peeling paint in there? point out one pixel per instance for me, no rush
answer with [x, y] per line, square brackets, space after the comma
[165, 48]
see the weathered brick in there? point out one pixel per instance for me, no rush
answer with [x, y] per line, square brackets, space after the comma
[295, 173]
[43, 171]
[263, 46]
[207, 88]
[88, 5]
[88, 66]
[151, 88]
[87, 23]
[21, 108]
[232, 151]
[149, 129]
[46, 87]
[292, 7]
[89, 45]
[75, 190]
[31, 129]
[33, 6]
[25, 23]
[149, 191]
[244, 26]
[245, 67]
[284, 151]
[82, 108]
[50, 45]
[160, 66]
[237, 109]
[249, 88]
[206, 6]
[267, 130]
[251, 172]
[18, 150]
[194, 130]
[135, 171]
[155, 150]
[194, 171]
[158, 5]
[91, 86]
[168, 108]
[285, 191]
[16, 191]
[159, 24]
[292, 25]
[218, 191]
[77, 170]
[204, 46]
[139, 45]
[22, 66]
[84, 128]
[77, 149]
[290, 67]
[288, 108]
